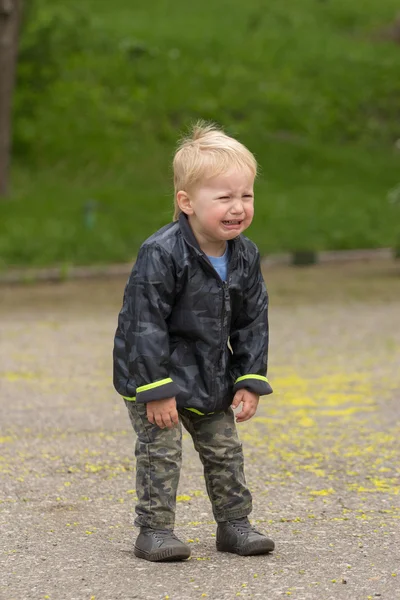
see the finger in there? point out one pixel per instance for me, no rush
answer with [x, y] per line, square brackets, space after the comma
[248, 414]
[237, 400]
[167, 421]
[159, 421]
[174, 417]
[241, 417]
[150, 416]
[245, 414]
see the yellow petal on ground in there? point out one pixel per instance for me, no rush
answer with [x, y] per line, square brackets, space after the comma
[322, 492]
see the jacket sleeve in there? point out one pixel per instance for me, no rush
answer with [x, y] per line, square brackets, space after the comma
[249, 336]
[148, 301]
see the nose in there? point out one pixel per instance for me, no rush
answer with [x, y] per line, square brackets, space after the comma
[237, 208]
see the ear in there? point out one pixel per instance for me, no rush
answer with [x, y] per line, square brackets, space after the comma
[184, 202]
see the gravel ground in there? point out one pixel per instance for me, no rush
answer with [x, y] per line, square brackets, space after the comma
[322, 453]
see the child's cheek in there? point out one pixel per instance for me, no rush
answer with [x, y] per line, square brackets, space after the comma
[250, 215]
[212, 219]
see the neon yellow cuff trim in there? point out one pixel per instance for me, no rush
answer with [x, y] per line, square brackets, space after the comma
[197, 412]
[260, 377]
[133, 399]
[151, 386]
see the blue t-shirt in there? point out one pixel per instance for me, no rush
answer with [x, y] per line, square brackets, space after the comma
[220, 263]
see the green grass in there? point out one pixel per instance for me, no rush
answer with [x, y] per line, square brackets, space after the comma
[307, 85]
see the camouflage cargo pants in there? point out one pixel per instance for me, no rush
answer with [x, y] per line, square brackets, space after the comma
[158, 463]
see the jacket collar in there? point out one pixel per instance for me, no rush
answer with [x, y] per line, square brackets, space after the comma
[191, 240]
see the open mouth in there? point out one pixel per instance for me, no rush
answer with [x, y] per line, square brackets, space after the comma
[233, 222]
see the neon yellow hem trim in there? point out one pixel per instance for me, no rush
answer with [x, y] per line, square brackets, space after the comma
[194, 410]
[260, 377]
[197, 412]
[151, 386]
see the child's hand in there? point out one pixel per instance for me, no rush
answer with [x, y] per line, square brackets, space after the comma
[163, 413]
[250, 403]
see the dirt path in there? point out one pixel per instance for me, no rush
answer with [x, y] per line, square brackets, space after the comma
[322, 453]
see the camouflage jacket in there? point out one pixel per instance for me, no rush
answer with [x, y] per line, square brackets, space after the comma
[184, 332]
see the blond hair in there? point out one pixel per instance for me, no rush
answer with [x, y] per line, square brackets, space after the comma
[206, 152]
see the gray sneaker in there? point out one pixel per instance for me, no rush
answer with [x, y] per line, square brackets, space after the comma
[159, 545]
[240, 537]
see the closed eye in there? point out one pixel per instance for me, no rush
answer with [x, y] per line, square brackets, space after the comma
[224, 198]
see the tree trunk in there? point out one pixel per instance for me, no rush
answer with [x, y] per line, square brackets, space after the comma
[10, 12]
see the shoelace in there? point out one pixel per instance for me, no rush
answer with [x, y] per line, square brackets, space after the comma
[161, 534]
[243, 526]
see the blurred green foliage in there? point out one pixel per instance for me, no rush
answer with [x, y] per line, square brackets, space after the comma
[48, 38]
[104, 90]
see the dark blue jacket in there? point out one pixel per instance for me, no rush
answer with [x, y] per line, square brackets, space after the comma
[184, 332]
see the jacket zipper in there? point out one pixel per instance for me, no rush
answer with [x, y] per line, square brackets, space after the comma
[224, 285]
[226, 301]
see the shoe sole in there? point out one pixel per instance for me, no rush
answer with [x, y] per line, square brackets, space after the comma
[166, 555]
[261, 547]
